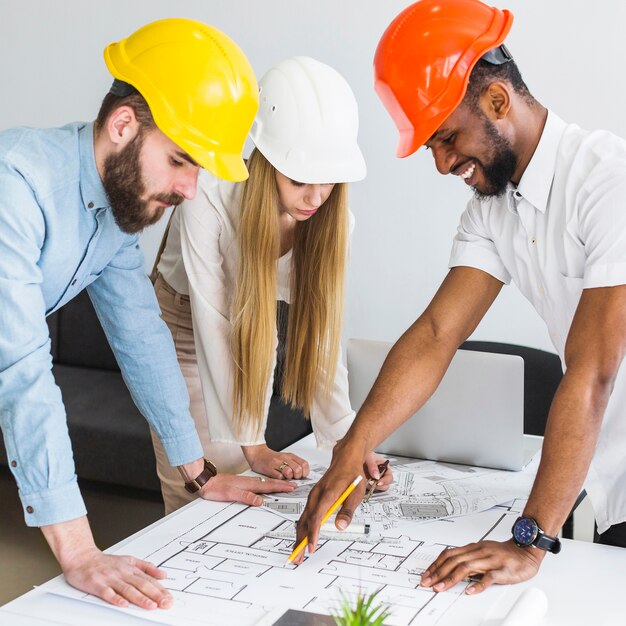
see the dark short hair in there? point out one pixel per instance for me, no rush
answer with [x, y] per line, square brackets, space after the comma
[135, 100]
[485, 73]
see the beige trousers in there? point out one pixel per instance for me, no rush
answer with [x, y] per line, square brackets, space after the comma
[176, 313]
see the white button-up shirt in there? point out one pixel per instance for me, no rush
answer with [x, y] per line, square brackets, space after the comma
[200, 260]
[562, 230]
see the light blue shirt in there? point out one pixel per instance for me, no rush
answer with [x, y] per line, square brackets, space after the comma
[58, 237]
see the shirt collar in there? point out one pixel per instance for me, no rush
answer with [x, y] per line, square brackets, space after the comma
[91, 189]
[536, 181]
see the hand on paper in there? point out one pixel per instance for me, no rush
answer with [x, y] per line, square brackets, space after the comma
[502, 563]
[274, 464]
[120, 580]
[231, 488]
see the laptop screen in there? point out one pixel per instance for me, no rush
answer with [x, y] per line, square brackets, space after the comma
[475, 416]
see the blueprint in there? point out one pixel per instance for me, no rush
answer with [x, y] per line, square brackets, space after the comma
[227, 563]
[224, 566]
[422, 491]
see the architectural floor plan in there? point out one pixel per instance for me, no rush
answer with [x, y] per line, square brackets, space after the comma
[227, 564]
[422, 491]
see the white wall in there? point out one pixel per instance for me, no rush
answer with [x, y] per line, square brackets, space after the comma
[569, 51]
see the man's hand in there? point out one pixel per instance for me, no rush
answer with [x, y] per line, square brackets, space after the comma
[280, 465]
[502, 563]
[370, 467]
[231, 488]
[345, 466]
[119, 580]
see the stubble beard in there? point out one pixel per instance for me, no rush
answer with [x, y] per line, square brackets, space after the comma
[498, 172]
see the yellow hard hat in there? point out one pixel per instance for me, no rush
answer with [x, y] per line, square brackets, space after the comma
[199, 85]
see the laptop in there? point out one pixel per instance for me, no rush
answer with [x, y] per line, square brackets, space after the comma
[475, 417]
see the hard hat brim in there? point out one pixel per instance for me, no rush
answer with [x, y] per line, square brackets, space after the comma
[419, 109]
[208, 112]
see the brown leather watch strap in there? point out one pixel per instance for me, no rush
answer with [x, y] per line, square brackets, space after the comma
[202, 479]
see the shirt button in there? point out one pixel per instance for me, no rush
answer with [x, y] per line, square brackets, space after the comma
[533, 241]
[90, 205]
[13, 463]
[29, 509]
[73, 282]
[542, 290]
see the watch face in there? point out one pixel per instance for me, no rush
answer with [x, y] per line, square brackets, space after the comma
[525, 531]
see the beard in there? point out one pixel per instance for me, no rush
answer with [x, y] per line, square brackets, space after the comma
[125, 187]
[500, 169]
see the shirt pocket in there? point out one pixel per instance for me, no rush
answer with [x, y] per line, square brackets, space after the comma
[573, 284]
[571, 290]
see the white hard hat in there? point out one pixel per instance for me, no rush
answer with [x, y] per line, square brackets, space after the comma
[308, 122]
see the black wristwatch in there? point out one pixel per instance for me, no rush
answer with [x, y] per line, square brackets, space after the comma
[526, 532]
[207, 473]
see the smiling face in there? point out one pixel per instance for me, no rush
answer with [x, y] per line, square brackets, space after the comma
[469, 145]
[301, 200]
[147, 175]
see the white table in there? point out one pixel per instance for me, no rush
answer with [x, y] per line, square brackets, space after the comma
[585, 584]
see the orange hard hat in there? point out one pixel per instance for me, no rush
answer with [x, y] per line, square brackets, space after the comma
[424, 59]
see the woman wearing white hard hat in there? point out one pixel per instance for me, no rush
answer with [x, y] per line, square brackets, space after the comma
[237, 250]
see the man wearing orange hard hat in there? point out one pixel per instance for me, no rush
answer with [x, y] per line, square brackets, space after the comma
[73, 202]
[548, 214]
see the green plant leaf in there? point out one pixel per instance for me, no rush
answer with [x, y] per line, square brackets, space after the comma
[364, 613]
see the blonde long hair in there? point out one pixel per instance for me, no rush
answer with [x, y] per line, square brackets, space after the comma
[317, 295]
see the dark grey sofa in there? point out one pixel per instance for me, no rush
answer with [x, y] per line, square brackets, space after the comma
[110, 438]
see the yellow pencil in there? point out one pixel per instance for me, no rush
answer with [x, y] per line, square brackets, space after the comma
[326, 517]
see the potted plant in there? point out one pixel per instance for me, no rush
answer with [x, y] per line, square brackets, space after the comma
[366, 611]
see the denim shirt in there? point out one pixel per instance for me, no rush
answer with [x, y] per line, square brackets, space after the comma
[58, 237]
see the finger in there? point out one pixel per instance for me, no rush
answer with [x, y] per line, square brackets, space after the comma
[346, 512]
[385, 482]
[151, 589]
[149, 568]
[308, 525]
[437, 570]
[275, 473]
[322, 497]
[281, 465]
[459, 568]
[275, 468]
[112, 597]
[302, 463]
[487, 580]
[132, 594]
[267, 485]
[387, 479]
[371, 465]
[432, 574]
[286, 470]
[294, 463]
[244, 496]
[305, 468]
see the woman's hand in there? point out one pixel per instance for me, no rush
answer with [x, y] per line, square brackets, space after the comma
[282, 465]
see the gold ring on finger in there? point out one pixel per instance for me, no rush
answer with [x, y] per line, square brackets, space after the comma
[262, 479]
[283, 465]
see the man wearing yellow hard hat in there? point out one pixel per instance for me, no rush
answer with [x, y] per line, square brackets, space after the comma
[73, 202]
